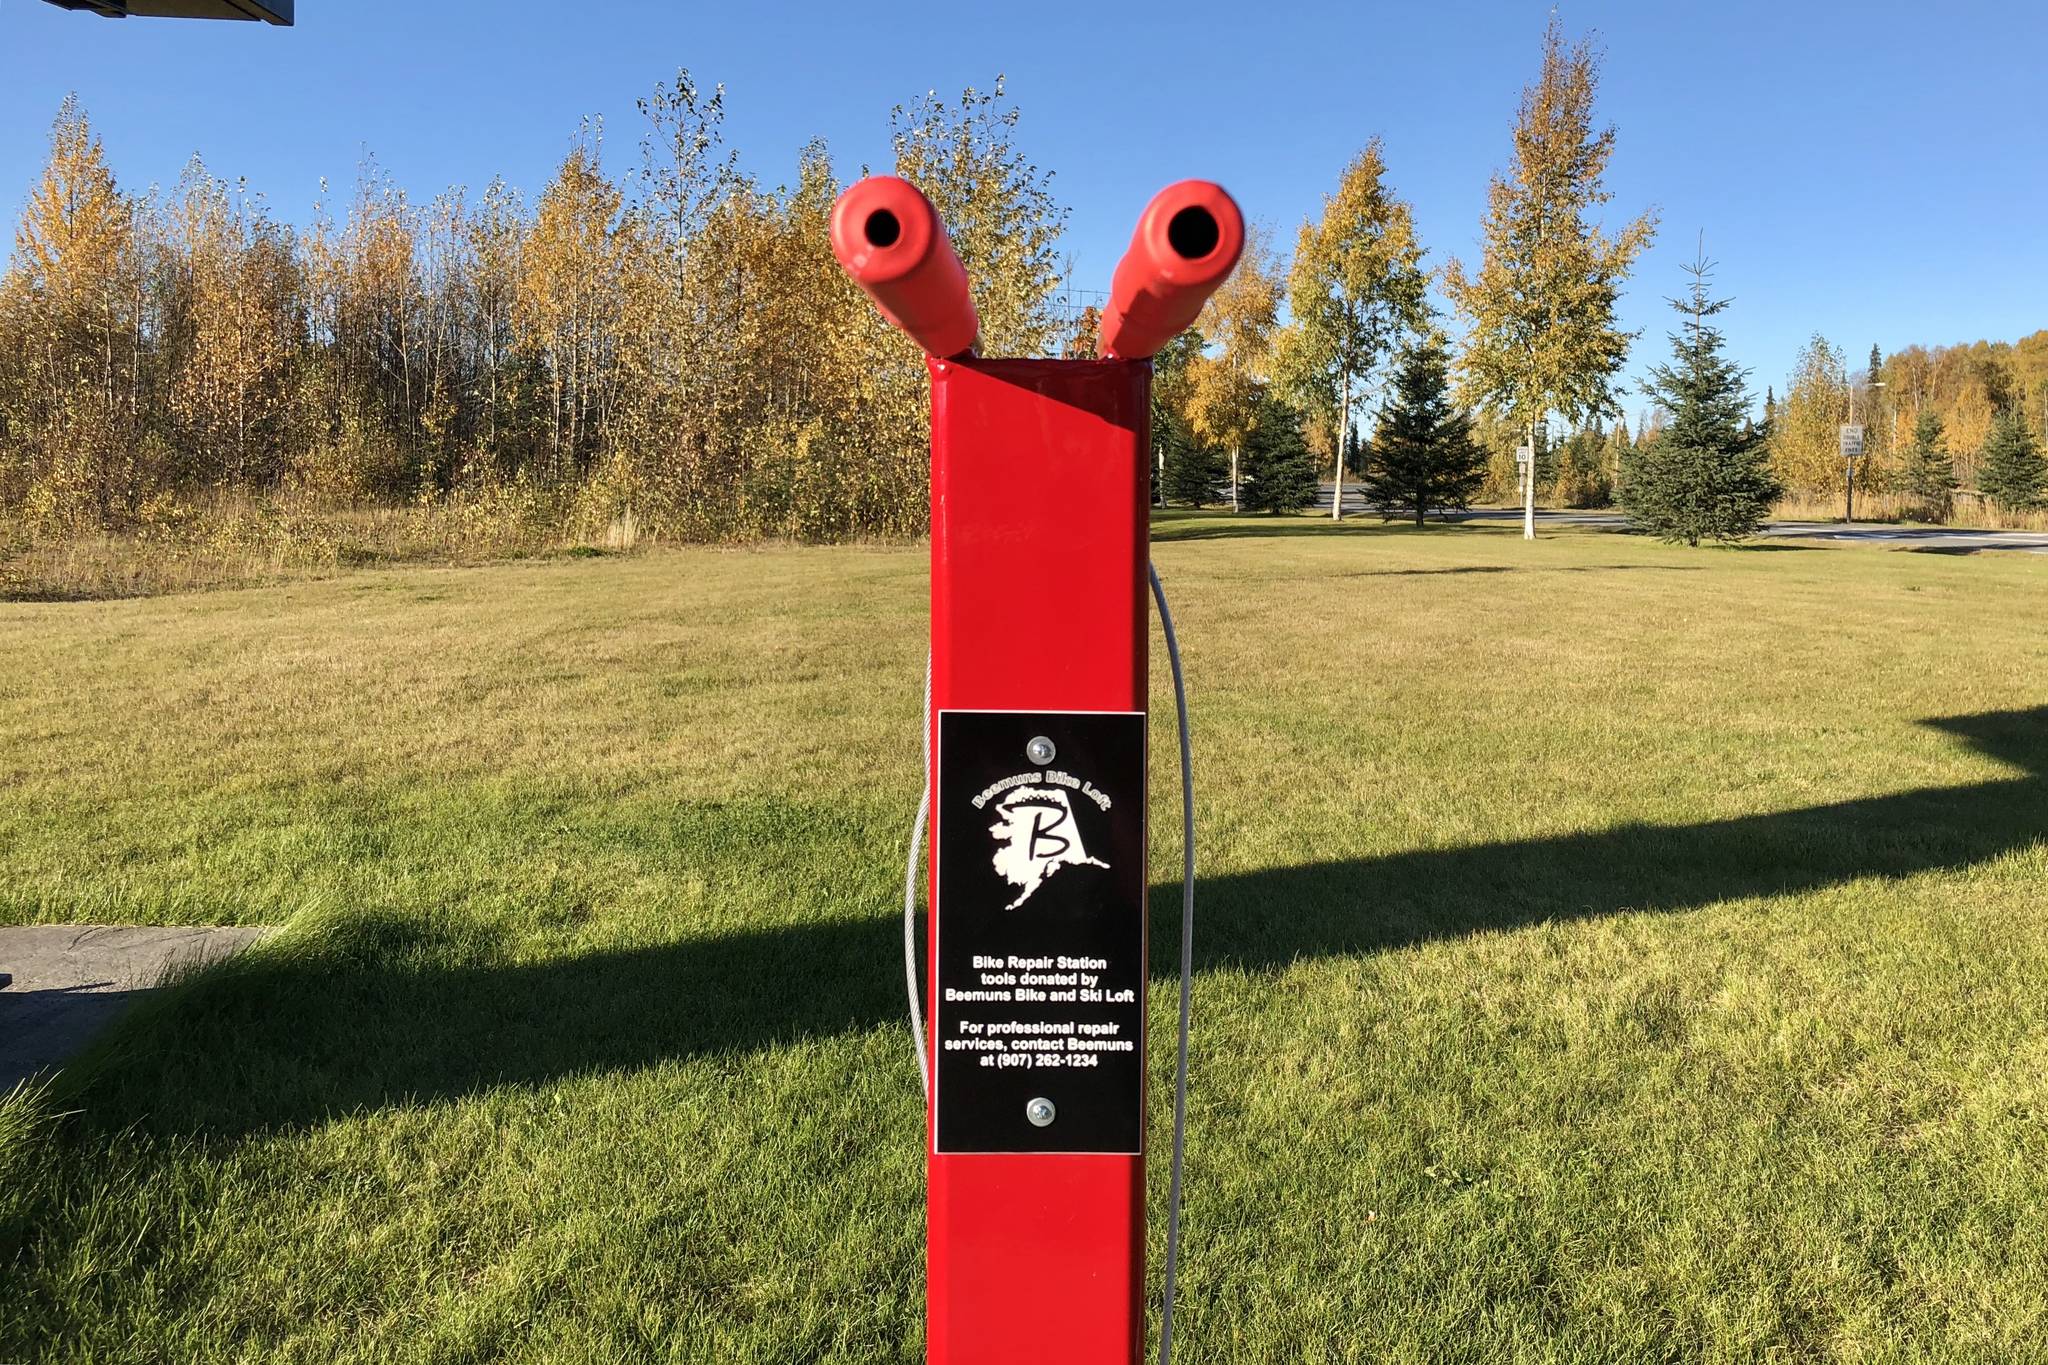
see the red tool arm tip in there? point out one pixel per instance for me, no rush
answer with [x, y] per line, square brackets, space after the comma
[890, 242]
[1187, 243]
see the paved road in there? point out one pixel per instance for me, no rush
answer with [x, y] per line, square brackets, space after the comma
[1949, 539]
[1943, 539]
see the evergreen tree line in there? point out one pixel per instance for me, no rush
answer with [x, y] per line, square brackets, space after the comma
[675, 343]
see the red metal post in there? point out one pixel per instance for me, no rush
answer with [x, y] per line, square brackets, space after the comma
[1040, 480]
[1039, 532]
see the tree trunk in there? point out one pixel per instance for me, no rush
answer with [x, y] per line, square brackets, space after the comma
[1529, 490]
[1343, 430]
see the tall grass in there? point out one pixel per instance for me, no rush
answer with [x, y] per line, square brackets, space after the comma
[1969, 511]
[236, 541]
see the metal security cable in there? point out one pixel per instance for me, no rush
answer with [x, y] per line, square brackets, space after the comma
[1187, 963]
[924, 802]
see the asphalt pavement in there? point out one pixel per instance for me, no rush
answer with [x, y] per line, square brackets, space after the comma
[1938, 539]
[69, 981]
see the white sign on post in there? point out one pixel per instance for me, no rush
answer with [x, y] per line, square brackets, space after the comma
[1852, 441]
[1525, 454]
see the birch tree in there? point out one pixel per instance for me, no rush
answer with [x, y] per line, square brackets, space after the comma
[1355, 289]
[1542, 334]
[998, 207]
[1225, 387]
[1805, 439]
[567, 308]
[73, 298]
[240, 328]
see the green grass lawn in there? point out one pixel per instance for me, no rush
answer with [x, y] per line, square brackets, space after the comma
[1607, 952]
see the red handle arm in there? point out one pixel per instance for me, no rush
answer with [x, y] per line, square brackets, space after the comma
[890, 242]
[1187, 243]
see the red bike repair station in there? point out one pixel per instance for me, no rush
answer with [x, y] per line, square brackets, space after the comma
[1036, 784]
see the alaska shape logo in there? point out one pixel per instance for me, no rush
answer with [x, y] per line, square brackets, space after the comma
[1036, 835]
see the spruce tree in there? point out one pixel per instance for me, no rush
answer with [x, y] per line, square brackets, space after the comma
[1423, 458]
[1278, 471]
[1194, 471]
[2010, 469]
[1930, 470]
[1614, 458]
[1704, 477]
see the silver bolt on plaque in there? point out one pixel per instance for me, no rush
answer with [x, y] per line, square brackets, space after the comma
[1040, 1111]
[1041, 751]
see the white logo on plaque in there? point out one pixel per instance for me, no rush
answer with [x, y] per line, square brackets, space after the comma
[1036, 836]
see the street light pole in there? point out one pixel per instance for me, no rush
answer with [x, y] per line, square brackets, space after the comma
[1849, 488]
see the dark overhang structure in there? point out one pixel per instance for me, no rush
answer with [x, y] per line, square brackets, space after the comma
[269, 11]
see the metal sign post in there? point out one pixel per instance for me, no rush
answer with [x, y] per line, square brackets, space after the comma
[1852, 450]
[1036, 999]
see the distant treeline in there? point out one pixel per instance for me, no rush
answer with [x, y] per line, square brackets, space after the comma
[672, 346]
[676, 343]
[1966, 388]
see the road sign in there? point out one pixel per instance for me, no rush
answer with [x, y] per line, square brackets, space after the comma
[1852, 440]
[1525, 454]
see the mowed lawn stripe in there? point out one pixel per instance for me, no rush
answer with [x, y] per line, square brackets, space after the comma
[1608, 952]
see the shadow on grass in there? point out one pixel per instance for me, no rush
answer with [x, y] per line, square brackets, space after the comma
[382, 1012]
[40, 1028]
[1502, 568]
[1275, 916]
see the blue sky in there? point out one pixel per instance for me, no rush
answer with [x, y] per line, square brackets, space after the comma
[1876, 171]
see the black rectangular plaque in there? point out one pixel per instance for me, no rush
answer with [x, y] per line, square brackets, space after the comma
[1040, 899]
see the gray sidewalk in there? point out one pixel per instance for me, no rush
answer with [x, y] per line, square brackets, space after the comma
[71, 980]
